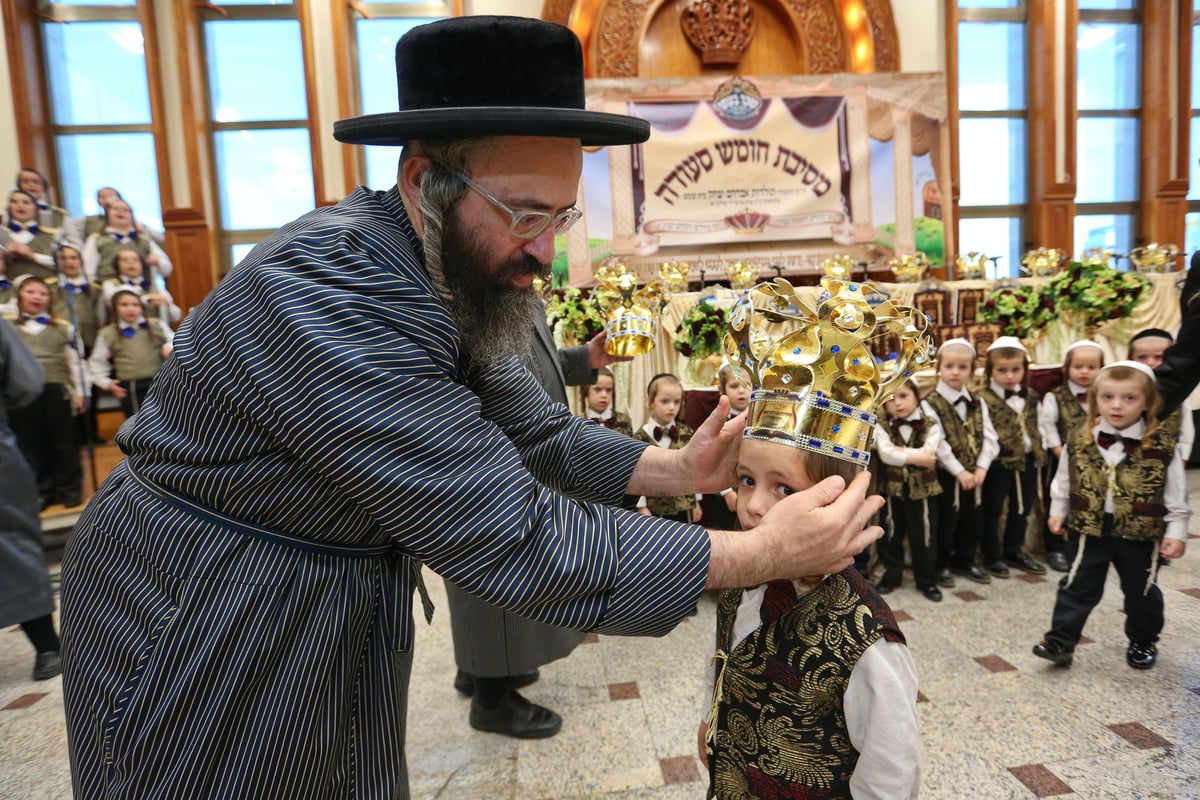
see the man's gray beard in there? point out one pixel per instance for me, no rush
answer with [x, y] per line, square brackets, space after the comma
[494, 319]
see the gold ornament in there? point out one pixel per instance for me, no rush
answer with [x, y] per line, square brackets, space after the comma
[971, 266]
[909, 267]
[742, 274]
[633, 314]
[674, 276]
[1154, 257]
[1096, 257]
[816, 382]
[840, 266]
[1043, 262]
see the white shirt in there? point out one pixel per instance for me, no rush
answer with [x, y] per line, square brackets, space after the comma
[1175, 494]
[1048, 414]
[23, 236]
[990, 447]
[897, 455]
[880, 704]
[100, 362]
[664, 442]
[604, 417]
[1017, 404]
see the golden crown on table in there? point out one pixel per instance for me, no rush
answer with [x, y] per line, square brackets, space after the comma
[909, 267]
[971, 266]
[741, 274]
[1154, 257]
[1097, 257]
[840, 266]
[816, 382]
[674, 275]
[633, 313]
[1043, 262]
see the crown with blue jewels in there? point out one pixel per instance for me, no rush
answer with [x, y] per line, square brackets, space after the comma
[817, 381]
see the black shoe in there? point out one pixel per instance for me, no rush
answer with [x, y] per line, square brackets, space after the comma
[1058, 562]
[1053, 651]
[887, 585]
[464, 682]
[997, 568]
[1024, 562]
[72, 500]
[515, 716]
[972, 573]
[932, 593]
[48, 664]
[1141, 655]
[945, 579]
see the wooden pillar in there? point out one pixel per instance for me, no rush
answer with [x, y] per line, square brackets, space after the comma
[1052, 26]
[1166, 118]
[906, 234]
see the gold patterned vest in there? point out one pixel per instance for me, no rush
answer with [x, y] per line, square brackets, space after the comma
[909, 482]
[964, 437]
[780, 721]
[1139, 483]
[50, 348]
[1071, 414]
[669, 506]
[136, 357]
[1011, 429]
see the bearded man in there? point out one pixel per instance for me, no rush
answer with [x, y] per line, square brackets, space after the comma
[347, 405]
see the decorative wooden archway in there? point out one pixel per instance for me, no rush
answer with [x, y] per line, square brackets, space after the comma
[646, 38]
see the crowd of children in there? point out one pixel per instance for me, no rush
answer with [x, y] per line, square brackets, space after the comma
[88, 297]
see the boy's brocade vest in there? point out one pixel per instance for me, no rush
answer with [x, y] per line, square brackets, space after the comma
[617, 422]
[909, 482]
[964, 438]
[134, 358]
[781, 721]
[1139, 483]
[1009, 425]
[669, 506]
[49, 346]
[107, 245]
[1071, 414]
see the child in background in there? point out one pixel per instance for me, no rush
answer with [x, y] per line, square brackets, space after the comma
[967, 450]
[720, 510]
[133, 274]
[1147, 347]
[599, 403]
[907, 446]
[665, 396]
[1120, 497]
[1013, 477]
[83, 300]
[129, 352]
[814, 690]
[1062, 412]
[28, 245]
[8, 296]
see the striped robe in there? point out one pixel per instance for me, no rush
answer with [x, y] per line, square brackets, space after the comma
[237, 600]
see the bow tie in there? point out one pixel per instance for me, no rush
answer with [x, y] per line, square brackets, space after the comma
[125, 237]
[43, 206]
[778, 598]
[129, 331]
[142, 284]
[77, 287]
[17, 227]
[608, 423]
[670, 431]
[1081, 397]
[42, 318]
[917, 425]
[5, 283]
[968, 402]
[1013, 393]
[1107, 440]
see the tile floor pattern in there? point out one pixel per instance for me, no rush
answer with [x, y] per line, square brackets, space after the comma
[996, 721]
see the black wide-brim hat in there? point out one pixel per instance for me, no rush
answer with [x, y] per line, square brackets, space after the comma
[490, 76]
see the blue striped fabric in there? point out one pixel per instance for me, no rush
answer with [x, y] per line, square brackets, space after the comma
[316, 394]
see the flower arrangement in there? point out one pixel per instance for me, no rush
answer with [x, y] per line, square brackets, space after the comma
[701, 330]
[1023, 311]
[1093, 294]
[575, 314]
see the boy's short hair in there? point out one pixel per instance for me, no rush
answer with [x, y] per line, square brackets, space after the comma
[724, 374]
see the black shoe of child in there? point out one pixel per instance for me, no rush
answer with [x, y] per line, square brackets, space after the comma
[1141, 655]
[1058, 562]
[972, 573]
[932, 593]
[997, 568]
[886, 587]
[48, 664]
[1024, 562]
[1053, 651]
[945, 579]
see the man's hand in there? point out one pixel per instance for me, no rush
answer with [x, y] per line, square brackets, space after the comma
[711, 454]
[597, 356]
[814, 532]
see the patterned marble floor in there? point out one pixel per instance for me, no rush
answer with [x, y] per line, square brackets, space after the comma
[997, 723]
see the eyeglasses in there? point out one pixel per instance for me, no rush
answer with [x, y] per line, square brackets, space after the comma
[528, 224]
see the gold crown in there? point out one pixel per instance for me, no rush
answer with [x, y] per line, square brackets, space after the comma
[747, 221]
[633, 313]
[1096, 257]
[1154, 257]
[741, 274]
[970, 266]
[816, 380]
[909, 267]
[674, 275]
[720, 31]
[839, 266]
[1043, 262]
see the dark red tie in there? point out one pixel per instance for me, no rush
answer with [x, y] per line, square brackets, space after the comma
[779, 597]
[671, 432]
[1107, 440]
[1081, 397]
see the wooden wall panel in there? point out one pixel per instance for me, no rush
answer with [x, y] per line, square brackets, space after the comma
[1166, 117]
[1052, 124]
[23, 46]
[193, 252]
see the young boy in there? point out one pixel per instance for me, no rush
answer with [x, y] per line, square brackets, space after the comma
[776, 729]
[720, 510]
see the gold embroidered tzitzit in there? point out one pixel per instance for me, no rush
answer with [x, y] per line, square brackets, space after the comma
[633, 313]
[816, 380]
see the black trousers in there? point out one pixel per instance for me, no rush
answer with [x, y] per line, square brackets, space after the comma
[1051, 542]
[915, 522]
[1082, 587]
[137, 393]
[46, 432]
[1017, 489]
[958, 528]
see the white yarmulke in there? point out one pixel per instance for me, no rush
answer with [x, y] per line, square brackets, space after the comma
[959, 342]
[1082, 343]
[1007, 341]
[1139, 366]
